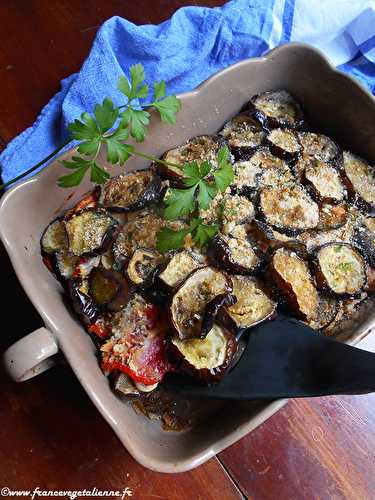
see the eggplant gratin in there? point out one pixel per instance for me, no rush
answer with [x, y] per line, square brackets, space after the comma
[295, 231]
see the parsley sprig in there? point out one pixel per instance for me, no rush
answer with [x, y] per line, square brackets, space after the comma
[202, 182]
[109, 126]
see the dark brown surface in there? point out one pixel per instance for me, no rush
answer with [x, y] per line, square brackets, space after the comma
[51, 435]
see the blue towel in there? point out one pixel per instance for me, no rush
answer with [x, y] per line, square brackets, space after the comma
[195, 43]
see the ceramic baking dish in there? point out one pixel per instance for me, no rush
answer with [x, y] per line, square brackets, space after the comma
[333, 102]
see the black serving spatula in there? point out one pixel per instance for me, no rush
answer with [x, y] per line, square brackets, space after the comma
[285, 358]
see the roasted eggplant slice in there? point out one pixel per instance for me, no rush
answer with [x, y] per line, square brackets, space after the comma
[260, 170]
[288, 209]
[320, 147]
[293, 279]
[54, 238]
[131, 191]
[190, 301]
[364, 238]
[206, 359]
[179, 267]
[65, 264]
[235, 255]
[324, 182]
[326, 313]
[340, 269]
[203, 147]
[235, 210]
[108, 289]
[276, 109]
[139, 232]
[90, 231]
[332, 216]
[359, 178]
[137, 346]
[142, 264]
[243, 134]
[284, 143]
[251, 308]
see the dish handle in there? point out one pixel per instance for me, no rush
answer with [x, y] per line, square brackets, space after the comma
[31, 355]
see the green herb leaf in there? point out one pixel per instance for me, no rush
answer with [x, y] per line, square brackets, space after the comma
[337, 249]
[180, 202]
[168, 107]
[136, 88]
[106, 115]
[191, 174]
[204, 233]
[345, 266]
[89, 147]
[170, 239]
[98, 174]
[117, 151]
[137, 76]
[159, 90]
[84, 129]
[137, 120]
[76, 162]
[205, 168]
[80, 166]
[224, 174]
[206, 194]
[123, 86]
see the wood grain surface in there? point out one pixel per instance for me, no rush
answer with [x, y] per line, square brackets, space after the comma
[50, 433]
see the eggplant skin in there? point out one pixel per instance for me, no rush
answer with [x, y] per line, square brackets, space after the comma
[235, 255]
[320, 147]
[212, 310]
[82, 240]
[268, 240]
[131, 191]
[205, 370]
[82, 303]
[276, 109]
[359, 178]
[340, 270]
[294, 283]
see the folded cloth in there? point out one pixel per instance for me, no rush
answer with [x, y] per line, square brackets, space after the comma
[195, 43]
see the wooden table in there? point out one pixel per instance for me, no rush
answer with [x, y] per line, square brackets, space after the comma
[50, 433]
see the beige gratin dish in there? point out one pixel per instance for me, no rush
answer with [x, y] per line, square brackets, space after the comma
[333, 102]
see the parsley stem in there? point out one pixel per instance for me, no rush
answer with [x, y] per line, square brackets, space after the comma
[157, 160]
[35, 167]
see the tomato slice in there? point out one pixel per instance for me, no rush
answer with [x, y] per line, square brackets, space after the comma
[98, 330]
[139, 346]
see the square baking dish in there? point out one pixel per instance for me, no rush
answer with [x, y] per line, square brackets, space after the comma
[334, 103]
